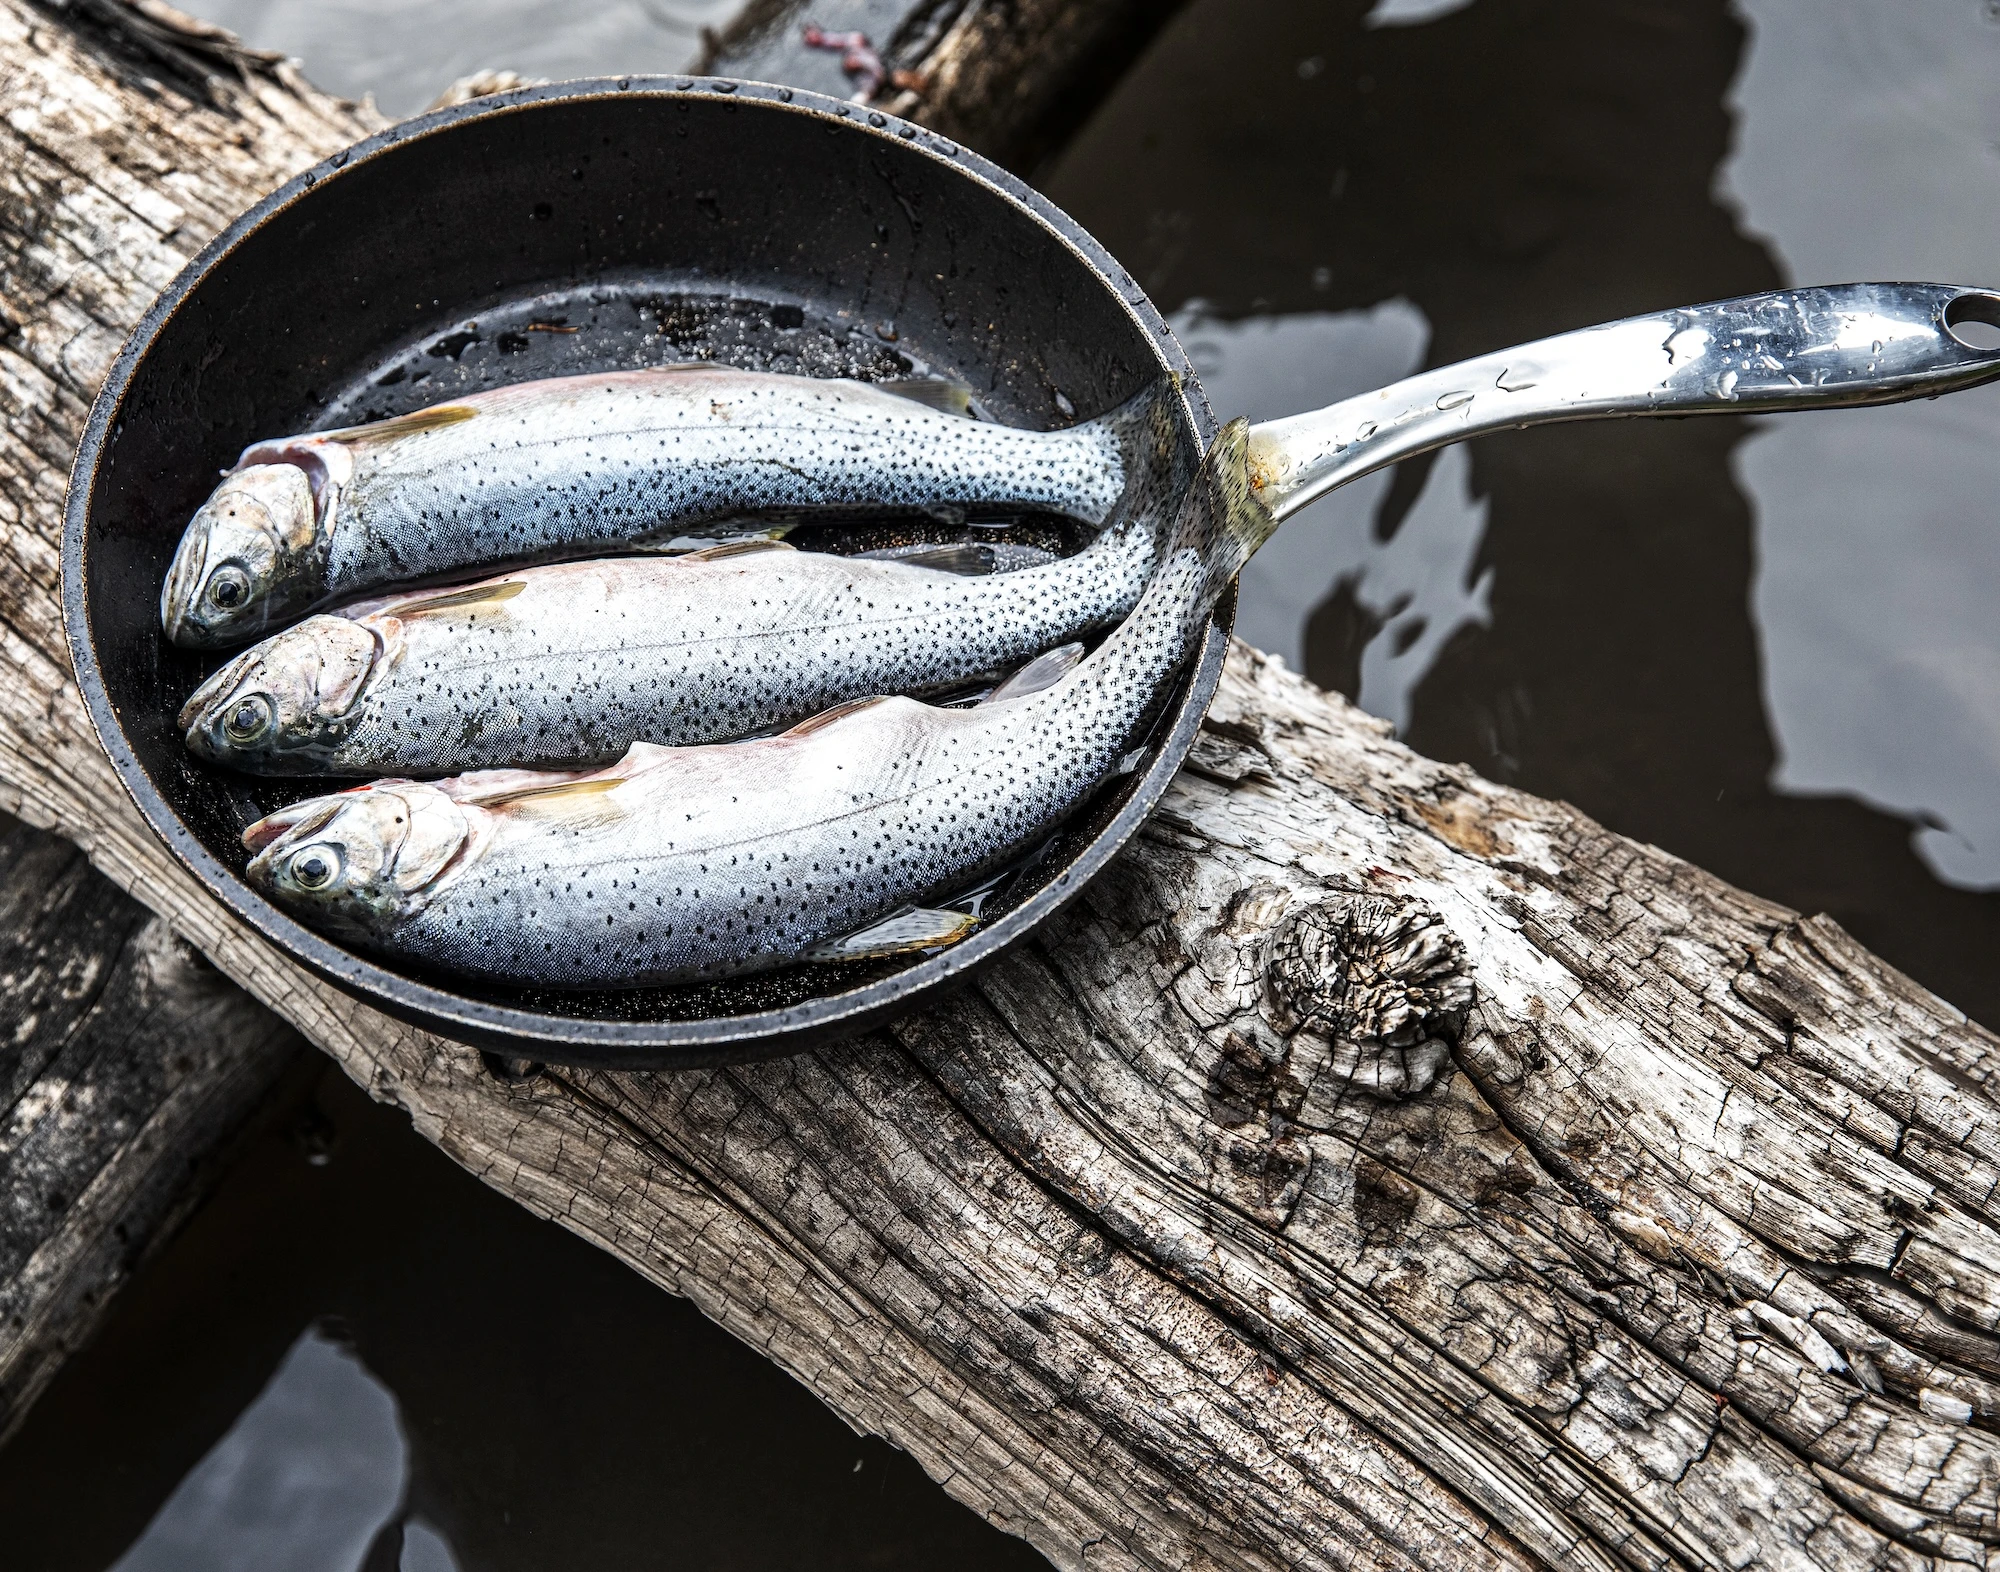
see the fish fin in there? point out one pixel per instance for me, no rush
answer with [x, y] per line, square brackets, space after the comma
[902, 934]
[1223, 518]
[942, 394]
[681, 544]
[735, 548]
[452, 600]
[643, 755]
[436, 418]
[1044, 671]
[967, 558]
[806, 728]
[597, 786]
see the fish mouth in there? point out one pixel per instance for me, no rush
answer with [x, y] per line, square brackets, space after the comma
[177, 595]
[217, 685]
[311, 815]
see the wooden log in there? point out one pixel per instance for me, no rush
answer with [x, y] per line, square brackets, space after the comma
[1013, 78]
[1377, 1167]
[128, 1069]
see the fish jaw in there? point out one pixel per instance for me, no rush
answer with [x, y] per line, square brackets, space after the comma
[285, 706]
[253, 554]
[361, 863]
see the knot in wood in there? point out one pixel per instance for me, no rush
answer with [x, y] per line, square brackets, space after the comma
[1382, 983]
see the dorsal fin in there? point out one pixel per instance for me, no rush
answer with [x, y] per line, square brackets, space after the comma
[939, 393]
[595, 787]
[735, 548]
[452, 600]
[436, 418]
[806, 728]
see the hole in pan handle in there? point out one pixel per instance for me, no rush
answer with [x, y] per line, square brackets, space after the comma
[1973, 318]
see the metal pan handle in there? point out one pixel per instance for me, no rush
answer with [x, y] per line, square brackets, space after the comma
[1793, 349]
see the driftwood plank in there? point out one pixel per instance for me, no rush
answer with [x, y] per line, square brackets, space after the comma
[1377, 1167]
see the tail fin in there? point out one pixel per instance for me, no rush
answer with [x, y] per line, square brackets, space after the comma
[1222, 521]
[1149, 433]
[1212, 528]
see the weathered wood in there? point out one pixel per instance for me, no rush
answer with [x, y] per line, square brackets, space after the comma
[1012, 78]
[128, 1067]
[1378, 1167]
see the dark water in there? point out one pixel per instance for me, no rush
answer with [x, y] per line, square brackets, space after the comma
[1769, 647]
[358, 1358]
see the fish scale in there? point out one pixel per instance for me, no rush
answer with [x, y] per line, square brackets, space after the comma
[681, 865]
[568, 665]
[575, 466]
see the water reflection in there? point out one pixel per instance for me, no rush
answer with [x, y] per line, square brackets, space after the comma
[1869, 146]
[1403, 568]
[310, 1478]
[1513, 169]
[500, 1396]
[405, 53]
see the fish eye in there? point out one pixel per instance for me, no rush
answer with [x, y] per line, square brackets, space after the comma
[229, 587]
[248, 718]
[315, 867]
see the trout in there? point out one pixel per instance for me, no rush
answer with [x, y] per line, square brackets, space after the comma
[580, 466]
[571, 664]
[836, 839]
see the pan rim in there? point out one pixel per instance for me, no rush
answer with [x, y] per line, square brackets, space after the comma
[518, 1029]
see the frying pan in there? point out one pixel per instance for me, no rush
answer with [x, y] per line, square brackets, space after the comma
[614, 224]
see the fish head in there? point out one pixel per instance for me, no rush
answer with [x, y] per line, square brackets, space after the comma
[360, 862]
[252, 554]
[286, 704]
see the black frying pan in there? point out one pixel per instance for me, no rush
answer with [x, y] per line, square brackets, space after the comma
[607, 225]
[575, 228]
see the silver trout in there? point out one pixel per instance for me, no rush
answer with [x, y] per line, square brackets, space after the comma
[579, 466]
[677, 865]
[571, 664]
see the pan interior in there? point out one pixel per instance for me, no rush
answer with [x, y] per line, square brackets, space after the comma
[575, 233]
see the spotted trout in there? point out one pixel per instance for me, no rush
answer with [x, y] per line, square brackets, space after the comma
[578, 466]
[831, 840]
[571, 664]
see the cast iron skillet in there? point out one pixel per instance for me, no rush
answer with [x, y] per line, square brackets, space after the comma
[608, 225]
[572, 228]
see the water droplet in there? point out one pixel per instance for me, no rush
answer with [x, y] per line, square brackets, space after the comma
[1456, 400]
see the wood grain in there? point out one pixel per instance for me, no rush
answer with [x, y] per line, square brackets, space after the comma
[1377, 1167]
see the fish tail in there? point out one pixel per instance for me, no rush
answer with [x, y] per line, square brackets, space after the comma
[1211, 523]
[1223, 522]
[1146, 431]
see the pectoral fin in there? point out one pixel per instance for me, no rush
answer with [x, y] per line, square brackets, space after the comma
[595, 787]
[903, 934]
[966, 558]
[938, 393]
[436, 418]
[735, 548]
[1044, 671]
[454, 600]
